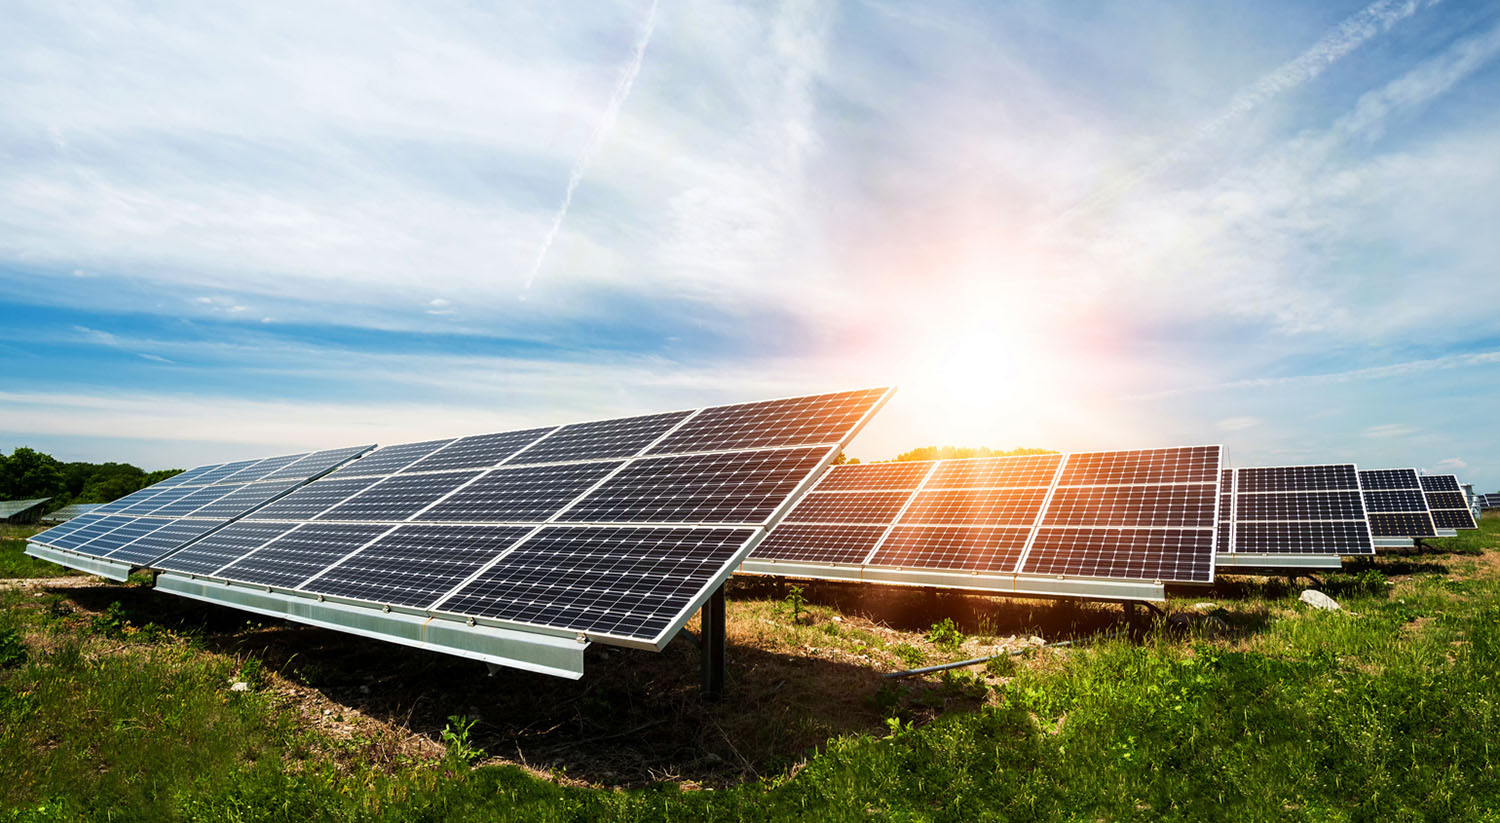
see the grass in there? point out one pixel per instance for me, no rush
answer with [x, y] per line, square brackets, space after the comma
[14, 562]
[1246, 705]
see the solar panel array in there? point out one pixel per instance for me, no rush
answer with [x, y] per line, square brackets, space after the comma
[1447, 502]
[1489, 501]
[1129, 515]
[615, 529]
[1294, 510]
[1395, 504]
[140, 527]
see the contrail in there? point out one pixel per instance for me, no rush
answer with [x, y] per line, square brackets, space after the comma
[596, 142]
[1347, 36]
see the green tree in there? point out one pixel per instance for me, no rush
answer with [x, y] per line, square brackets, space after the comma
[957, 452]
[28, 473]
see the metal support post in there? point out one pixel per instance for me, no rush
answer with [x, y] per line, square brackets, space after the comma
[711, 645]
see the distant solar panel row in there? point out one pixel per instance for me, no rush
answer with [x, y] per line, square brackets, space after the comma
[1395, 504]
[1446, 500]
[1294, 510]
[141, 527]
[1135, 515]
[612, 528]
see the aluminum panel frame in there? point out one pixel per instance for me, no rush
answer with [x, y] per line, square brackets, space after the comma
[100, 567]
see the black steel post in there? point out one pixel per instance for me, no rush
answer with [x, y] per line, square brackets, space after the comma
[711, 645]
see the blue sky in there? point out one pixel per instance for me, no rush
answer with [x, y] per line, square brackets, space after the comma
[234, 230]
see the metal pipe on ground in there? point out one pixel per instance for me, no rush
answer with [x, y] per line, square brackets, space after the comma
[974, 661]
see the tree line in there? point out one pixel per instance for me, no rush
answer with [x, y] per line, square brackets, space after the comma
[26, 474]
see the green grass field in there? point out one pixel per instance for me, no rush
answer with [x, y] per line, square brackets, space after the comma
[115, 703]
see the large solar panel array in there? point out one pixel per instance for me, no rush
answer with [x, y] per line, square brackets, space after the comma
[1395, 504]
[1034, 523]
[141, 527]
[614, 530]
[1287, 515]
[1446, 500]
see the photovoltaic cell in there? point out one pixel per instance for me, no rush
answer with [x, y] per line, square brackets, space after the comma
[398, 497]
[620, 581]
[995, 472]
[1402, 500]
[1301, 506]
[224, 546]
[1299, 510]
[899, 476]
[1186, 465]
[481, 451]
[97, 528]
[820, 544]
[532, 493]
[740, 487]
[415, 565]
[145, 504]
[1379, 479]
[976, 507]
[797, 421]
[1167, 555]
[952, 547]
[1328, 477]
[260, 469]
[143, 550]
[243, 499]
[222, 472]
[391, 459]
[300, 553]
[1446, 500]
[1440, 483]
[1341, 538]
[848, 507]
[1164, 505]
[312, 499]
[1402, 525]
[601, 440]
[137, 527]
[1226, 510]
[316, 463]
[187, 503]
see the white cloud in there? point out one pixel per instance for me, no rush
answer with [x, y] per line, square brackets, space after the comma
[1385, 430]
[1451, 465]
[1234, 424]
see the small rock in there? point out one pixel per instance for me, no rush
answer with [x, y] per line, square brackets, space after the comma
[1318, 600]
[838, 619]
[1036, 641]
[240, 686]
[1203, 607]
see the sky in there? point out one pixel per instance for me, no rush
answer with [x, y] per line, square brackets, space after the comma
[241, 229]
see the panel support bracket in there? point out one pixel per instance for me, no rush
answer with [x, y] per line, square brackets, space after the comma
[107, 569]
[711, 644]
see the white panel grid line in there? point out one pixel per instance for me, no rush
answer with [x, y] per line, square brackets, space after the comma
[529, 446]
[885, 535]
[335, 564]
[1036, 525]
[462, 584]
[247, 555]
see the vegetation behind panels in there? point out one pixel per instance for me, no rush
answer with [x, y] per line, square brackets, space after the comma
[27, 473]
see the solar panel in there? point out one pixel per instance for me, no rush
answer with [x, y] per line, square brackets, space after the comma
[737, 487]
[952, 547]
[415, 565]
[789, 422]
[398, 497]
[618, 529]
[1449, 507]
[300, 553]
[161, 518]
[520, 494]
[1395, 504]
[601, 439]
[618, 581]
[483, 451]
[1295, 514]
[1161, 503]
[973, 523]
